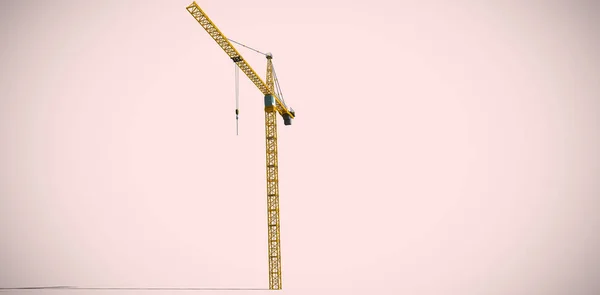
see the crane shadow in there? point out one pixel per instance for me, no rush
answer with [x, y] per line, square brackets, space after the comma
[129, 288]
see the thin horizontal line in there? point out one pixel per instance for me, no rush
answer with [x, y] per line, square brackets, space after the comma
[130, 288]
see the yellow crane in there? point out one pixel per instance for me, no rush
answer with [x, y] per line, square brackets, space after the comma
[273, 105]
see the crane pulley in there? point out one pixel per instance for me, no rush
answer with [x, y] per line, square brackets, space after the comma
[274, 103]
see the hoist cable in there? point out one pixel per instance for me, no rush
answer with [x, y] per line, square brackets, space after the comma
[237, 97]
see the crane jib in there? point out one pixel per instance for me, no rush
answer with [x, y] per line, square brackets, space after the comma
[224, 43]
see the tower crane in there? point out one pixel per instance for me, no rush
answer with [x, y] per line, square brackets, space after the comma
[273, 104]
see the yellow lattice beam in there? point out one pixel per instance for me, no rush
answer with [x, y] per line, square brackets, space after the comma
[224, 43]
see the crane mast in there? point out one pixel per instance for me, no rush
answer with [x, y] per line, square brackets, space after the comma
[272, 184]
[273, 105]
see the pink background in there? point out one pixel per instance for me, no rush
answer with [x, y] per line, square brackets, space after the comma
[439, 147]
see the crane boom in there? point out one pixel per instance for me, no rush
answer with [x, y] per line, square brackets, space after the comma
[224, 43]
